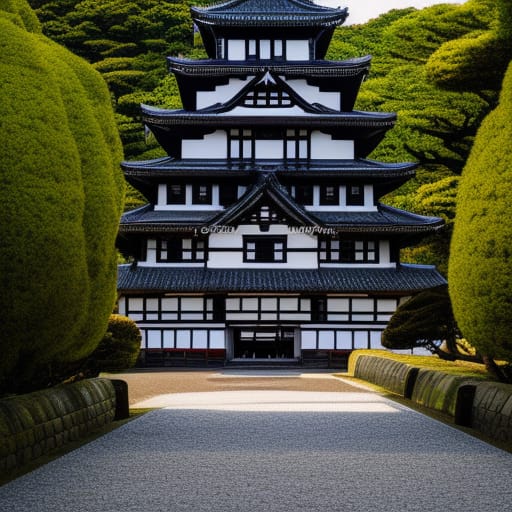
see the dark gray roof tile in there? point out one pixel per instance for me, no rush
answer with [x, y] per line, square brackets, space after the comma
[403, 280]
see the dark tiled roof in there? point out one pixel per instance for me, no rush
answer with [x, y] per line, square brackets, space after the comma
[269, 12]
[385, 218]
[312, 68]
[403, 280]
[146, 218]
[167, 166]
[266, 186]
[154, 116]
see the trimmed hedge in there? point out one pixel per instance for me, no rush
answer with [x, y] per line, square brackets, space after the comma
[33, 425]
[480, 266]
[62, 196]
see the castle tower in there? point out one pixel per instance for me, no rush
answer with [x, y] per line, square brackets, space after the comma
[264, 238]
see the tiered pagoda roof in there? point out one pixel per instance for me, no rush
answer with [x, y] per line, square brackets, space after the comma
[301, 17]
[383, 220]
[297, 13]
[405, 280]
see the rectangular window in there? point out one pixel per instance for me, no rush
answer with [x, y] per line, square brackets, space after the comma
[318, 309]
[251, 48]
[329, 195]
[359, 251]
[265, 49]
[297, 144]
[278, 48]
[176, 193]
[240, 144]
[181, 250]
[355, 195]
[265, 249]
[201, 194]
[228, 194]
[304, 194]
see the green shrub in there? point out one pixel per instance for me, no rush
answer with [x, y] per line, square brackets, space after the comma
[119, 348]
[480, 266]
[62, 196]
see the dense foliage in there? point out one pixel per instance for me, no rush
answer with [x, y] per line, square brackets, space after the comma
[435, 127]
[61, 202]
[426, 320]
[119, 348]
[480, 268]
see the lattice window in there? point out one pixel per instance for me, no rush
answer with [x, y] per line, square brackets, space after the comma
[181, 250]
[240, 143]
[297, 144]
[355, 195]
[265, 249]
[334, 250]
[267, 98]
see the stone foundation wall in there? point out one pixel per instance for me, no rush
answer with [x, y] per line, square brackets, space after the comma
[492, 410]
[392, 375]
[482, 405]
[34, 424]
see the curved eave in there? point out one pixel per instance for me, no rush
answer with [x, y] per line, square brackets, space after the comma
[167, 166]
[314, 69]
[308, 15]
[161, 117]
[386, 220]
[403, 280]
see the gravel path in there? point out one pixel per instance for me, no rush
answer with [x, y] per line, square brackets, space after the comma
[144, 384]
[273, 451]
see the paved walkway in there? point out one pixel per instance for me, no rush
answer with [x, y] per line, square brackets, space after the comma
[273, 451]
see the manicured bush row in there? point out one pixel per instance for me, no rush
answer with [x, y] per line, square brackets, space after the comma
[34, 424]
[392, 375]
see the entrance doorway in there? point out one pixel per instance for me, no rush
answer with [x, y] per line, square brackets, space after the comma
[263, 342]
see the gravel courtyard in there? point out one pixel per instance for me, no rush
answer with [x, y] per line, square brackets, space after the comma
[248, 445]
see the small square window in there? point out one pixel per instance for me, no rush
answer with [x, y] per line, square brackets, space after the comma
[265, 249]
[355, 195]
[202, 194]
[329, 195]
[176, 194]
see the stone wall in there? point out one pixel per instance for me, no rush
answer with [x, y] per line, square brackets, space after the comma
[492, 410]
[390, 374]
[483, 405]
[35, 424]
[438, 390]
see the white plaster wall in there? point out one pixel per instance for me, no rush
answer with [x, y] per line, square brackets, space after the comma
[324, 148]
[268, 149]
[162, 200]
[236, 49]
[385, 253]
[234, 259]
[213, 145]
[162, 196]
[264, 111]
[297, 50]
[313, 94]
[222, 93]
[122, 306]
[150, 254]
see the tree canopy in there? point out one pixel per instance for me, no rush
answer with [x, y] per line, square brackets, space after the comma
[61, 201]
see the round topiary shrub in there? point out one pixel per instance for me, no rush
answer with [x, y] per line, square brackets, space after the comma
[62, 193]
[119, 348]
